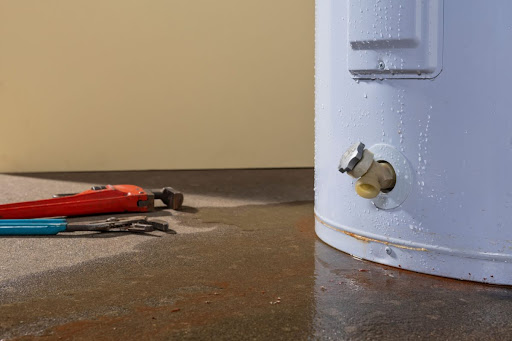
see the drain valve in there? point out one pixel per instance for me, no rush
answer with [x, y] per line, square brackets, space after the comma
[374, 177]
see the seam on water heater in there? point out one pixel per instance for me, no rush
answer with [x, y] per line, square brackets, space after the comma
[358, 235]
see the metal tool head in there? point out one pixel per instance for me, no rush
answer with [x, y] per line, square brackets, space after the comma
[169, 196]
[351, 157]
[130, 224]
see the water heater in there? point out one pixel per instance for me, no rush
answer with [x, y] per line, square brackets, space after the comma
[413, 152]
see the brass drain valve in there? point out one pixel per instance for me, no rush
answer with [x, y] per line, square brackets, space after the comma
[374, 176]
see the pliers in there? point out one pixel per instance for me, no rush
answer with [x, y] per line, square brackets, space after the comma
[16, 227]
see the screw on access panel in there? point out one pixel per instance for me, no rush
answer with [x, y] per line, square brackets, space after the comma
[381, 65]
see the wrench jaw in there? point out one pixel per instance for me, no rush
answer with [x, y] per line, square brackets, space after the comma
[115, 224]
[158, 224]
[172, 198]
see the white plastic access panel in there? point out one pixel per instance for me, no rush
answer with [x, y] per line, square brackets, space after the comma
[395, 39]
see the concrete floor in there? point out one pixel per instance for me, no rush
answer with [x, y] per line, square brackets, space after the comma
[245, 264]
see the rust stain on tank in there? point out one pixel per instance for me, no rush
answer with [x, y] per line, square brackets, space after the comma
[366, 239]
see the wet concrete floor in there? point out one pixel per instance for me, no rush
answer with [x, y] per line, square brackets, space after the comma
[251, 272]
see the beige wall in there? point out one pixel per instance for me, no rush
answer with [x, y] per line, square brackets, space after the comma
[155, 84]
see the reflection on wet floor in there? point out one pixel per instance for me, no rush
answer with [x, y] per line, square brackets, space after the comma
[356, 299]
[260, 273]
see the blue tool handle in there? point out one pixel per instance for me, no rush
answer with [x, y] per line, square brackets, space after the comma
[30, 227]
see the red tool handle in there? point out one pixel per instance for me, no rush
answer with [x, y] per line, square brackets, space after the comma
[105, 199]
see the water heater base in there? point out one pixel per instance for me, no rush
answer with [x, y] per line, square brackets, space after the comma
[492, 268]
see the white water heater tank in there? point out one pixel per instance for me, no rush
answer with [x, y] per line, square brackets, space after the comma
[424, 87]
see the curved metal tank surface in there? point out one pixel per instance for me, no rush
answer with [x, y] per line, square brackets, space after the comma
[425, 85]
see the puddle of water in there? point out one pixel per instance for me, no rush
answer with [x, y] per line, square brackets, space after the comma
[356, 299]
[196, 285]
[260, 274]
